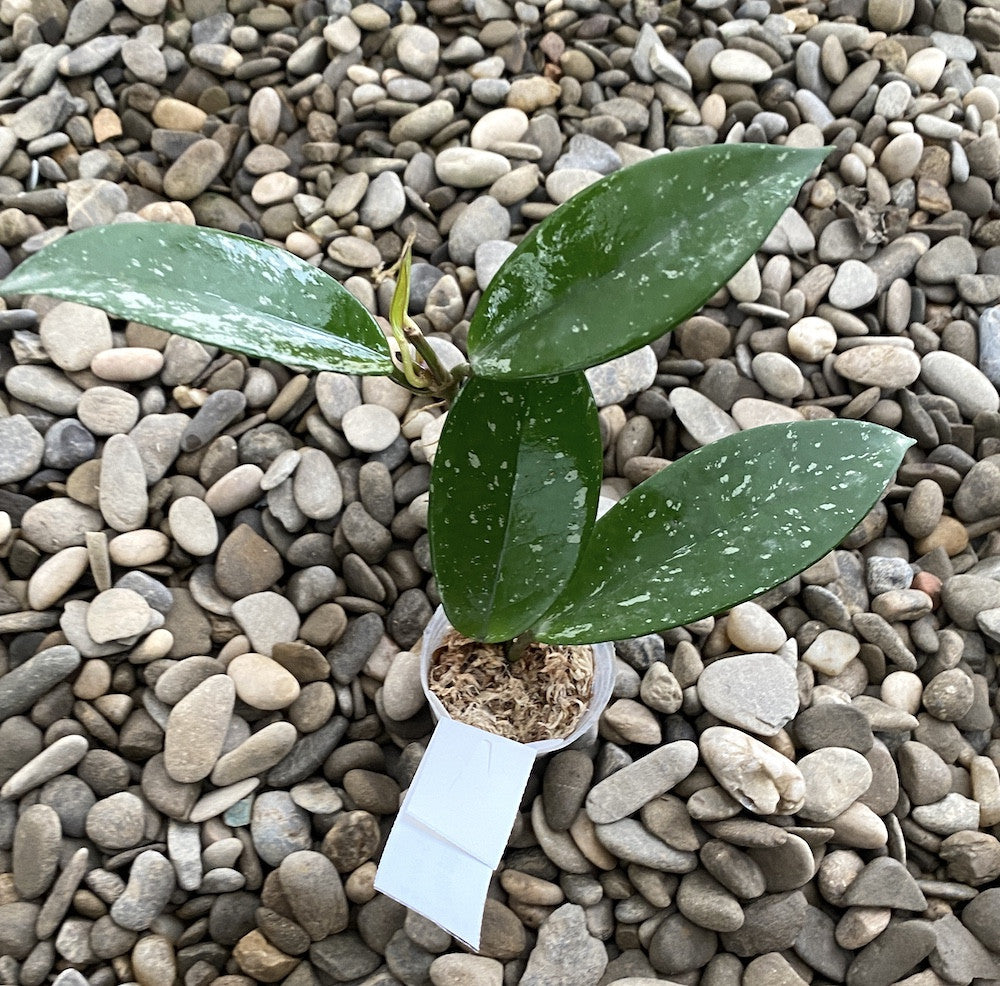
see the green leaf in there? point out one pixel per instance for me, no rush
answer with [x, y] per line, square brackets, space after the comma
[216, 287]
[631, 256]
[513, 496]
[722, 525]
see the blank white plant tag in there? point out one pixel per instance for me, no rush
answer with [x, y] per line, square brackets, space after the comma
[453, 826]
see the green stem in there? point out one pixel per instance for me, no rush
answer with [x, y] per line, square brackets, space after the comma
[441, 376]
[514, 649]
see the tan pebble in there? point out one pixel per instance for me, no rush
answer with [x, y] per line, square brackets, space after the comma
[878, 365]
[901, 604]
[753, 629]
[923, 509]
[262, 682]
[860, 925]
[984, 100]
[531, 889]
[56, 576]
[168, 212]
[197, 728]
[258, 958]
[123, 496]
[832, 651]
[152, 647]
[402, 695]
[239, 488]
[302, 244]
[456, 969]
[812, 339]
[949, 534]
[274, 188]
[253, 756]
[154, 961]
[986, 789]
[360, 885]
[925, 67]
[194, 170]
[265, 115]
[93, 680]
[713, 111]
[660, 690]
[175, 114]
[193, 526]
[83, 483]
[127, 364]
[777, 374]
[837, 872]
[115, 708]
[107, 125]
[902, 690]
[859, 827]
[633, 722]
[584, 834]
[516, 185]
[560, 847]
[533, 93]
[117, 614]
[72, 334]
[352, 251]
[370, 17]
[760, 778]
[137, 548]
[503, 124]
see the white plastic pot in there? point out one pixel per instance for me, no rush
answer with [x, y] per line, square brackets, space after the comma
[604, 679]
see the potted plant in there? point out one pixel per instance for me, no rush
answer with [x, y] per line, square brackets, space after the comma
[521, 562]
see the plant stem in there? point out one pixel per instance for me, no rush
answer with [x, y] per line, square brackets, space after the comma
[514, 649]
[431, 377]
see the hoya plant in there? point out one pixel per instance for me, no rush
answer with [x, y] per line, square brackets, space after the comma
[517, 550]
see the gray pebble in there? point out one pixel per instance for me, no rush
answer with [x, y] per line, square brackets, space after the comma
[854, 286]
[21, 449]
[948, 374]
[35, 852]
[627, 790]
[278, 827]
[122, 491]
[74, 334]
[892, 954]
[384, 201]
[117, 822]
[67, 444]
[21, 686]
[44, 387]
[151, 881]
[757, 692]
[483, 219]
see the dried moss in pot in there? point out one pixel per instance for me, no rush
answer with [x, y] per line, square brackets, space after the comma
[540, 696]
[547, 704]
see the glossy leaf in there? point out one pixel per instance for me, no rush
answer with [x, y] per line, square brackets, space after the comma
[722, 525]
[513, 496]
[216, 287]
[631, 256]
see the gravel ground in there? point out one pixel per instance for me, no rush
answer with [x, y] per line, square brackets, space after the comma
[212, 570]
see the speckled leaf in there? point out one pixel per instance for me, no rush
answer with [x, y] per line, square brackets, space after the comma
[631, 256]
[722, 525]
[216, 287]
[513, 495]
